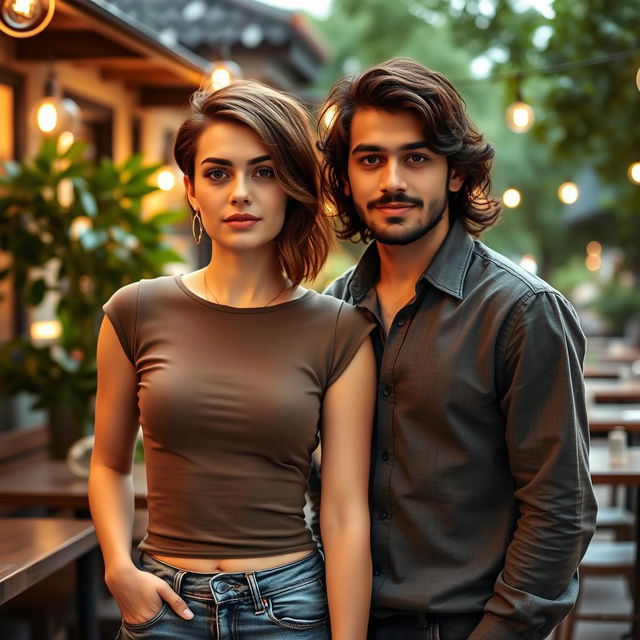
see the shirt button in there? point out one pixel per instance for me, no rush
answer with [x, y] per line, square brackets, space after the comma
[385, 455]
[377, 571]
[386, 392]
[383, 515]
[401, 322]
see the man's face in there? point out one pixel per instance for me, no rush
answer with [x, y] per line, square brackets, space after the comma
[398, 185]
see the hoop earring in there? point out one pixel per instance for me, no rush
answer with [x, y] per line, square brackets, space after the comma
[196, 236]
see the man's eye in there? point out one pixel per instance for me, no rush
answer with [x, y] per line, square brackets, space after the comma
[369, 160]
[265, 172]
[417, 158]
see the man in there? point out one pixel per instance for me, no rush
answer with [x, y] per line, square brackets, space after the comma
[481, 501]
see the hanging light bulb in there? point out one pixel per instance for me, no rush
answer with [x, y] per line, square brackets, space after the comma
[568, 192]
[25, 18]
[634, 172]
[638, 79]
[53, 115]
[519, 115]
[222, 73]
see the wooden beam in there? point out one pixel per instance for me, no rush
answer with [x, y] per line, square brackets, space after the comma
[165, 96]
[70, 45]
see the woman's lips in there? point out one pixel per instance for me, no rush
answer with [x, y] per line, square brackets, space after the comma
[241, 220]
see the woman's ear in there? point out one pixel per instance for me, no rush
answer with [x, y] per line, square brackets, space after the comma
[191, 195]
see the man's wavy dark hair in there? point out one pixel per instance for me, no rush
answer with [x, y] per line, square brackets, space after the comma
[402, 84]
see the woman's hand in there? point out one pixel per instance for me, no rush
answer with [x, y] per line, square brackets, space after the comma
[140, 595]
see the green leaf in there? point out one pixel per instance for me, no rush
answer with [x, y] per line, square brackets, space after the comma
[168, 217]
[88, 203]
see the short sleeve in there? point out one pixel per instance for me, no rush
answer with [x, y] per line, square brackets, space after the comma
[352, 329]
[122, 311]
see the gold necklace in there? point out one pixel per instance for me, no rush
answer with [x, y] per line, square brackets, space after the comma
[206, 286]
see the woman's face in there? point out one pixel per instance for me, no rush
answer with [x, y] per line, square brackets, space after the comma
[235, 188]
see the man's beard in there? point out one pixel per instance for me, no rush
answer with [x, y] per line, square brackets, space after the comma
[395, 234]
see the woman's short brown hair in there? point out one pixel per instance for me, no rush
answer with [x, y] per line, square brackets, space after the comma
[282, 124]
[402, 84]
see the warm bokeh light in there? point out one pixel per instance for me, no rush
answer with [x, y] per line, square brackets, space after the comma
[220, 78]
[529, 263]
[593, 263]
[47, 116]
[568, 192]
[638, 79]
[511, 198]
[634, 172]
[79, 226]
[520, 117]
[166, 180]
[594, 248]
[45, 330]
[65, 140]
[329, 115]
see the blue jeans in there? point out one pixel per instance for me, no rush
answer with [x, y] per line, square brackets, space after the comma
[283, 603]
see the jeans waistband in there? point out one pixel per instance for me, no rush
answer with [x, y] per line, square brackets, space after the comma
[230, 587]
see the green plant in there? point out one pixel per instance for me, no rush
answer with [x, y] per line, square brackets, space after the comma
[73, 229]
[618, 304]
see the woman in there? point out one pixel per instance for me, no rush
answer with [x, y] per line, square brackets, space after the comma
[231, 370]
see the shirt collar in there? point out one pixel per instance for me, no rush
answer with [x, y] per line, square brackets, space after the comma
[446, 272]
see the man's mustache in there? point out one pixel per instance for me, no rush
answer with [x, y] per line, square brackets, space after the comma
[398, 196]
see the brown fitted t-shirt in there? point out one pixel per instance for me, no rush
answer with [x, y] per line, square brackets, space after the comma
[230, 402]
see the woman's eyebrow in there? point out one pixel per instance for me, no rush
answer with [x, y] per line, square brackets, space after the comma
[227, 163]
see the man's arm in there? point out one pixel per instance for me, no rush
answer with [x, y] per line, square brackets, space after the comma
[546, 430]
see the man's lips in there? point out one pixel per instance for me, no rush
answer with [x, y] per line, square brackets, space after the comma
[394, 207]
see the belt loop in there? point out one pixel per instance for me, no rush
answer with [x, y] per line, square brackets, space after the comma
[177, 581]
[258, 603]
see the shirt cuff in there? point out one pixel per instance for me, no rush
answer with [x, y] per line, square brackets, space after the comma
[489, 628]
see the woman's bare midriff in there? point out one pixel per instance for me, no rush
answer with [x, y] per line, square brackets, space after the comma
[232, 565]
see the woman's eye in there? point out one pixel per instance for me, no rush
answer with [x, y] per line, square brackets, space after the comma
[217, 174]
[265, 172]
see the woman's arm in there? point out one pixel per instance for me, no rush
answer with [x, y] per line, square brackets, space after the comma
[344, 511]
[138, 594]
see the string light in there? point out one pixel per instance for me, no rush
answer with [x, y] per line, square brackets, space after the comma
[511, 198]
[520, 117]
[568, 192]
[45, 330]
[594, 248]
[166, 179]
[634, 172]
[593, 263]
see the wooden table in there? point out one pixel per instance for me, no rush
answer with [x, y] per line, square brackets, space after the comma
[603, 418]
[603, 370]
[49, 483]
[613, 391]
[32, 549]
[628, 474]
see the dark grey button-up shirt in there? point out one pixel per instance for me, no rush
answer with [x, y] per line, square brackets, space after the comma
[481, 498]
